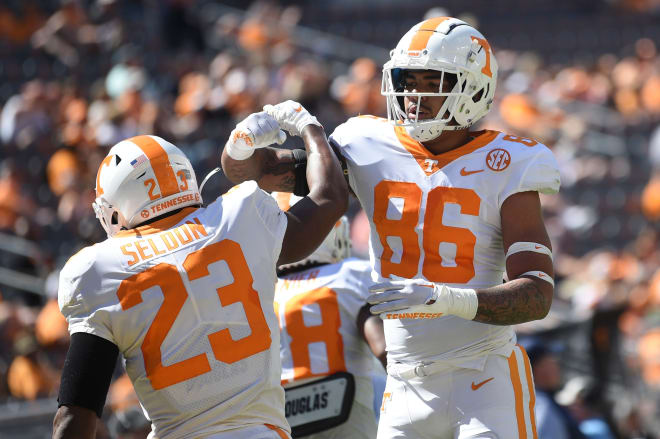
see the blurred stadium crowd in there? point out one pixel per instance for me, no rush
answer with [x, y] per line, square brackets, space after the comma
[78, 76]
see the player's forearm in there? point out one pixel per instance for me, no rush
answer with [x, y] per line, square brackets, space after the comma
[371, 329]
[74, 422]
[271, 168]
[517, 301]
[324, 176]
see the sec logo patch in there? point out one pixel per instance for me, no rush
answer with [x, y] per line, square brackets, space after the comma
[145, 214]
[498, 159]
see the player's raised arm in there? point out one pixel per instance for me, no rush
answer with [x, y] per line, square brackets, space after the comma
[312, 218]
[248, 156]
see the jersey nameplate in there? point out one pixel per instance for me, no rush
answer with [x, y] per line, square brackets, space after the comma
[151, 246]
[319, 405]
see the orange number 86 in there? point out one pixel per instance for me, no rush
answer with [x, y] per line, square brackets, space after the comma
[434, 231]
[168, 278]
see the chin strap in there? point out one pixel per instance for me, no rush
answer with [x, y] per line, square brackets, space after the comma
[209, 175]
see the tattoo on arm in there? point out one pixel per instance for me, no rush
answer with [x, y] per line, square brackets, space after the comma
[272, 168]
[239, 174]
[278, 162]
[517, 301]
[278, 171]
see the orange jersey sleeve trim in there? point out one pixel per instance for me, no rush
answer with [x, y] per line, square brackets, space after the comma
[279, 431]
[283, 200]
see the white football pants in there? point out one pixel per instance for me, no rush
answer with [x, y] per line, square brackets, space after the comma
[459, 403]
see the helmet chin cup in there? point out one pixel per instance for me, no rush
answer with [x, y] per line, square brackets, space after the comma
[424, 134]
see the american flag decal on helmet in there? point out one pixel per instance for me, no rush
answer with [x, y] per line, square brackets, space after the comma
[138, 161]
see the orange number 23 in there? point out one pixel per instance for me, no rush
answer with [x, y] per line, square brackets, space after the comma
[434, 231]
[168, 278]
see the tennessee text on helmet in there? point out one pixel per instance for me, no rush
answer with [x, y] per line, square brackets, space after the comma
[452, 47]
[142, 178]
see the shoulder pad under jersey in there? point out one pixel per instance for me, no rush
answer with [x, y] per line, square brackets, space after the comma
[78, 275]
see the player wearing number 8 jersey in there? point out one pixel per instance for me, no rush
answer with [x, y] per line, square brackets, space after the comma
[328, 335]
[185, 292]
[450, 211]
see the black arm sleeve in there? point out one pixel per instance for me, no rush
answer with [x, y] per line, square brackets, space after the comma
[301, 188]
[342, 161]
[87, 372]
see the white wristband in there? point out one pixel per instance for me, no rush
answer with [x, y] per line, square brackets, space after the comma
[463, 302]
[239, 146]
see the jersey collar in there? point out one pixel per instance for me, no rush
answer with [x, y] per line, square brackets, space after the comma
[431, 163]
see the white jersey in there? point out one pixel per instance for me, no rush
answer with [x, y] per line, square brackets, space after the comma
[188, 301]
[318, 310]
[437, 217]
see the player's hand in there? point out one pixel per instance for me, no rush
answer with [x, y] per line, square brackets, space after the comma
[258, 130]
[396, 295]
[291, 116]
[421, 296]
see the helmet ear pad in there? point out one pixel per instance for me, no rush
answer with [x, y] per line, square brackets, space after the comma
[475, 103]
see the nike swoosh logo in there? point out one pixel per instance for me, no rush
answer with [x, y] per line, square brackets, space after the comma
[465, 172]
[299, 109]
[427, 285]
[476, 386]
[537, 247]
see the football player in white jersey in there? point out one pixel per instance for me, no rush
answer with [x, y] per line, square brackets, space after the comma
[185, 292]
[451, 210]
[328, 337]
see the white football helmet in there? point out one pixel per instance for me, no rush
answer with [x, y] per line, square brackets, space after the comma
[450, 46]
[334, 248]
[142, 178]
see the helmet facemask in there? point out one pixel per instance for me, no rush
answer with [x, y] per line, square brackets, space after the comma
[452, 113]
[452, 48]
[108, 217]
